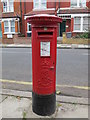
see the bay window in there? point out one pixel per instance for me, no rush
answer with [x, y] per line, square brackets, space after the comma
[81, 24]
[9, 26]
[12, 26]
[6, 26]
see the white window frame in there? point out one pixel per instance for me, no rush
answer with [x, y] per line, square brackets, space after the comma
[12, 26]
[28, 24]
[77, 23]
[81, 21]
[78, 1]
[8, 6]
[9, 24]
[40, 5]
[86, 23]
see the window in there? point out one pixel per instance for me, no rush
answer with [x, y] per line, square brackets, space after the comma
[77, 23]
[40, 4]
[73, 3]
[9, 26]
[8, 6]
[6, 26]
[85, 23]
[78, 3]
[12, 26]
[29, 30]
[4, 6]
[81, 24]
[82, 3]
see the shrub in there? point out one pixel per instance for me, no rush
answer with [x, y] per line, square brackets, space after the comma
[84, 35]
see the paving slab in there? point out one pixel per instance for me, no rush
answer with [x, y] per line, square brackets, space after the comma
[20, 106]
[14, 107]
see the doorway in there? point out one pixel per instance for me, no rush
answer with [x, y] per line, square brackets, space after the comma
[62, 27]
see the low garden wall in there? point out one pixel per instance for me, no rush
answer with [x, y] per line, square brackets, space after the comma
[75, 40]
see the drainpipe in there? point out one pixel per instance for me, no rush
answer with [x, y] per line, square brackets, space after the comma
[21, 13]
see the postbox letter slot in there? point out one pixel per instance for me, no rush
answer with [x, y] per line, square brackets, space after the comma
[45, 33]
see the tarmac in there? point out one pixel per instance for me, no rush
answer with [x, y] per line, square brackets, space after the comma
[67, 46]
[18, 104]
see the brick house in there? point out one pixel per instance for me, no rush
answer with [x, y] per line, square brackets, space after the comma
[11, 14]
[39, 7]
[73, 12]
[75, 15]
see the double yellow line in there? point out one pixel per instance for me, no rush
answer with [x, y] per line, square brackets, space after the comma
[30, 83]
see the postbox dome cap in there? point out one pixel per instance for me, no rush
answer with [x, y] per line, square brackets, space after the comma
[44, 18]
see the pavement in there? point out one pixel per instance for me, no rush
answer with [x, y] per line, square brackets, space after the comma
[69, 46]
[18, 104]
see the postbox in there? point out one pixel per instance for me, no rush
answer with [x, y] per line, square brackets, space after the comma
[44, 47]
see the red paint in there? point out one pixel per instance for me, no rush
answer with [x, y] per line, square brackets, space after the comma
[44, 68]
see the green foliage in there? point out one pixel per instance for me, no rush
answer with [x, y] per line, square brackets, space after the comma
[84, 35]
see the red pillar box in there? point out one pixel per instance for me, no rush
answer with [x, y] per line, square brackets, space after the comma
[44, 45]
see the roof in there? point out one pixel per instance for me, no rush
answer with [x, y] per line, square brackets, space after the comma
[52, 12]
[10, 15]
[73, 11]
[44, 19]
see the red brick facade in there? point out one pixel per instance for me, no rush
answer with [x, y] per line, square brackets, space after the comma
[63, 9]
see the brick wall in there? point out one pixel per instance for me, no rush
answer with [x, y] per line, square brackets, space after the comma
[17, 40]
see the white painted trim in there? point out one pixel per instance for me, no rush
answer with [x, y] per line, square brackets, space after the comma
[81, 23]
[29, 31]
[70, 8]
[10, 33]
[7, 12]
[43, 9]
[8, 19]
[79, 15]
[74, 15]
[79, 31]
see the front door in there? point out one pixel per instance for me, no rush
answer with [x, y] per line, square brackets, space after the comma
[0, 31]
[62, 27]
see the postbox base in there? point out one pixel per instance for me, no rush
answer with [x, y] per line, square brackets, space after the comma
[44, 105]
